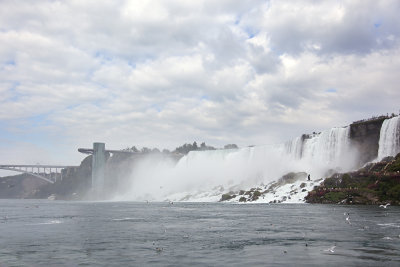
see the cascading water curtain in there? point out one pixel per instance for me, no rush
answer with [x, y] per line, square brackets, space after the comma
[389, 140]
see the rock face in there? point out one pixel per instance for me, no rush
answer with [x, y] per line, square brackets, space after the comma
[74, 185]
[376, 183]
[364, 135]
[20, 186]
[117, 172]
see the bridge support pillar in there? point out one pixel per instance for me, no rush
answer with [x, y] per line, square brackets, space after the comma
[98, 167]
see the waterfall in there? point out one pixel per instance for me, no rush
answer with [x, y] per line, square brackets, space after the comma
[389, 139]
[294, 148]
[205, 175]
[329, 149]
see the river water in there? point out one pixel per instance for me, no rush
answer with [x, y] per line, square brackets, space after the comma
[57, 233]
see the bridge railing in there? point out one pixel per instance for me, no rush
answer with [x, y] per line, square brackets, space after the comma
[48, 173]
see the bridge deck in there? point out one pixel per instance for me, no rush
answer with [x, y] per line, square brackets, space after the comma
[35, 166]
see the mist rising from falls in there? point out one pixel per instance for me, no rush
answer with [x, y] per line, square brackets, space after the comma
[389, 140]
[205, 175]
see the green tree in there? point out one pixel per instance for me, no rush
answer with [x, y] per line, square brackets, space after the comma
[231, 146]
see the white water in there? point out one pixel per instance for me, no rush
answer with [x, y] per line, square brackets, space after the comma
[205, 175]
[389, 140]
[330, 149]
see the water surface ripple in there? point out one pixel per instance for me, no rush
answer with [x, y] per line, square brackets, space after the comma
[57, 233]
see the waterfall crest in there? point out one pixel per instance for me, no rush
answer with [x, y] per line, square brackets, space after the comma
[389, 139]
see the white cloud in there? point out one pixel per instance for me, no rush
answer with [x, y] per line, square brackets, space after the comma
[161, 73]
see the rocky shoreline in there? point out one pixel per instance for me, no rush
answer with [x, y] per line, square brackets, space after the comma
[290, 188]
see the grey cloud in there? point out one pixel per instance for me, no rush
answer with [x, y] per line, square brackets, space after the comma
[262, 61]
[166, 72]
[329, 27]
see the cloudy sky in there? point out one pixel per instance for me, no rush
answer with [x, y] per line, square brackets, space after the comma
[163, 73]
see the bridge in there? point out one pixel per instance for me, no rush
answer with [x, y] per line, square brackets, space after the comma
[48, 173]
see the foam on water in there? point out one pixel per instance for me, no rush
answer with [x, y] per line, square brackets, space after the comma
[394, 225]
[47, 222]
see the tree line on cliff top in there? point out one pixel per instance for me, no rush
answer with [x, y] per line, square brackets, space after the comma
[183, 149]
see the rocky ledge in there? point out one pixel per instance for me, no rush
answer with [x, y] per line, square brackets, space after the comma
[290, 188]
[375, 183]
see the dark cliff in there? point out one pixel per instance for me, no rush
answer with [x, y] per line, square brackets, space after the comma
[20, 186]
[364, 136]
[75, 183]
